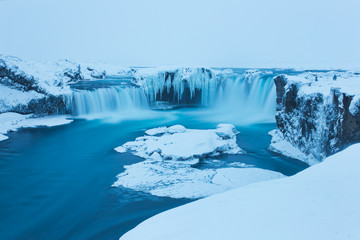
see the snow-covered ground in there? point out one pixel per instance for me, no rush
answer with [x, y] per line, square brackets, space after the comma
[321, 202]
[347, 82]
[171, 154]
[13, 121]
[22, 81]
[10, 97]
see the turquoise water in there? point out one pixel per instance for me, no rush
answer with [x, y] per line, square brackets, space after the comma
[55, 183]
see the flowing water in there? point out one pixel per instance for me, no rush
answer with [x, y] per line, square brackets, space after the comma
[55, 183]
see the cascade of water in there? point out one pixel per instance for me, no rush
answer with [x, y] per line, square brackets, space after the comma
[105, 100]
[249, 95]
[179, 86]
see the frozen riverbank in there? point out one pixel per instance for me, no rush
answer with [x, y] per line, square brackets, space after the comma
[320, 202]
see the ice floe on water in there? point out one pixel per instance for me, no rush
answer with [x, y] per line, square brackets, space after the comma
[179, 143]
[173, 156]
[13, 121]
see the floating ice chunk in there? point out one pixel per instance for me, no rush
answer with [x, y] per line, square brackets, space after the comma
[172, 154]
[155, 131]
[177, 179]
[226, 131]
[3, 137]
[176, 129]
[120, 149]
[177, 142]
[12, 121]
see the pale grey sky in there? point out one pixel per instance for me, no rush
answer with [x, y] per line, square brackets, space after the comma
[324, 33]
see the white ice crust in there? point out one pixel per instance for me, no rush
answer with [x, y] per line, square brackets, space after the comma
[177, 142]
[13, 121]
[11, 97]
[172, 152]
[346, 82]
[177, 179]
[321, 202]
[280, 145]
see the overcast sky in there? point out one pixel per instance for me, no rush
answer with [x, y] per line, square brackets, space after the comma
[241, 33]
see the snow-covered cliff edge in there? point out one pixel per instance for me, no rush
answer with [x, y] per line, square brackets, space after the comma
[39, 87]
[319, 112]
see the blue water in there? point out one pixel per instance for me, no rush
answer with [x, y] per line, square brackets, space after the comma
[55, 183]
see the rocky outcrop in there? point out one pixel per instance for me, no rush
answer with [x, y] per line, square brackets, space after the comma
[177, 85]
[318, 113]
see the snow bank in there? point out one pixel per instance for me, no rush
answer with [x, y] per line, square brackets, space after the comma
[323, 82]
[280, 145]
[11, 97]
[13, 121]
[172, 155]
[322, 202]
[43, 77]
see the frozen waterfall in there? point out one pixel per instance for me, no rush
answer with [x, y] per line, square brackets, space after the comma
[226, 94]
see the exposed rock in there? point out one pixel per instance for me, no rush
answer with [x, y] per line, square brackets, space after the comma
[314, 115]
[176, 85]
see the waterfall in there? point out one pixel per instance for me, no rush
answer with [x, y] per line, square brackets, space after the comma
[248, 96]
[106, 100]
[178, 86]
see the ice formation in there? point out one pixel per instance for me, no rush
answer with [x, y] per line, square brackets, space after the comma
[13, 121]
[172, 154]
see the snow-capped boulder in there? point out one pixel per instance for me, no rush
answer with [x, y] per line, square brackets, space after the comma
[318, 112]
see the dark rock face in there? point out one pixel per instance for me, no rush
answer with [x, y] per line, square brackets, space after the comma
[49, 104]
[24, 82]
[172, 95]
[318, 125]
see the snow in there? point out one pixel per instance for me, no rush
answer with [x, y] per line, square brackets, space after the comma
[280, 145]
[48, 76]
[321, 202]
[173, 155]
[13, 121]
[176, 142]
[100, 67]
[314, 82]
[226, 131]
[52, 77]
[3, 137]
[354, 107]
[178, 179]
[11, 97]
